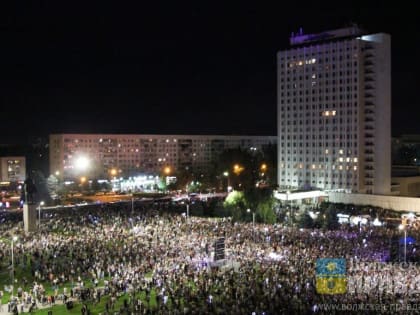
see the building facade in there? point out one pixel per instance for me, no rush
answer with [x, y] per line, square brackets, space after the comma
[12, 169]
[111, 155]
[334, 112]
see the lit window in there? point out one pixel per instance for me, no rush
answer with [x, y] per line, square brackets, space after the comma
[340, 159]
[340, 167]
[355, 160]
[348, 159]
[355, 167]
[326, 151]
[341, 151]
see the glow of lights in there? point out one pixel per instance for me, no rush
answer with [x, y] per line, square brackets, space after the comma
[167, 170]
[82, 163]
[237, 169]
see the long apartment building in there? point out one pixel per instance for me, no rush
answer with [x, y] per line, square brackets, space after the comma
[334, 111]
[108, 155]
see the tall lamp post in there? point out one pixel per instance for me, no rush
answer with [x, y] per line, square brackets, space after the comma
[226, 174]
[39, 214]
[14, 239]
[253, 223]
[287, 206]
[402, 227]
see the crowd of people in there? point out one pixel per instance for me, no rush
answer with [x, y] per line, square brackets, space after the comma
[268, 269]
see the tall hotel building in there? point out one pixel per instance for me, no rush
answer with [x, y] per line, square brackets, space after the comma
[131, 155]
[334, 112]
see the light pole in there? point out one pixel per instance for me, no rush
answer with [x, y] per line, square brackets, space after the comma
[287, 206]
[188, 211]
[226, 174]
[14, 239]
[39, 214]
[402, 227]
[253, 223]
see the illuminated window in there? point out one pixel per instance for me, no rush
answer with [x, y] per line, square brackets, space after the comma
[348, 159]
[355, 167]
[355, 160]
[340, 151]
[340, 159]
[340, 167]
[326, 151]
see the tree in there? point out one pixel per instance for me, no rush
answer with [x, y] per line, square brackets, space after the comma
[305, 221]
[331, 219]
[40, 182]
[236, 204]
[265, 212]
[52, 186]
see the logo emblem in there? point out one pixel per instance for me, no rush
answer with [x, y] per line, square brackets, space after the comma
[331, 276]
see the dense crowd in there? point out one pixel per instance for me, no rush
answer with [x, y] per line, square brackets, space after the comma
[268, 269]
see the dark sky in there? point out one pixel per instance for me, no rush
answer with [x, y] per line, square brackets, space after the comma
[172, 67]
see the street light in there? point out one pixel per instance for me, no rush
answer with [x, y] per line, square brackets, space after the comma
[113, 172]
[263, 168]
[237, 169]
[167, 170]
[287, 205]
[14, 239]
[39, 214]
[253, 223]
[402, 227]
[226, 174]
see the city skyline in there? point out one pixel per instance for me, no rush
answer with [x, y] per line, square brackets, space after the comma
[198, 69]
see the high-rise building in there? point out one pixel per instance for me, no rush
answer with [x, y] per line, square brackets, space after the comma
[334, 112]
[113, 155]
[12, 169]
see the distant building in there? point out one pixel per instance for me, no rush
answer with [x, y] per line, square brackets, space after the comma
[111, 155]
[334, 112]
[12, 169]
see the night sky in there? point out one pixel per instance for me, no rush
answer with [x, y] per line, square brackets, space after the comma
[172, 68]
